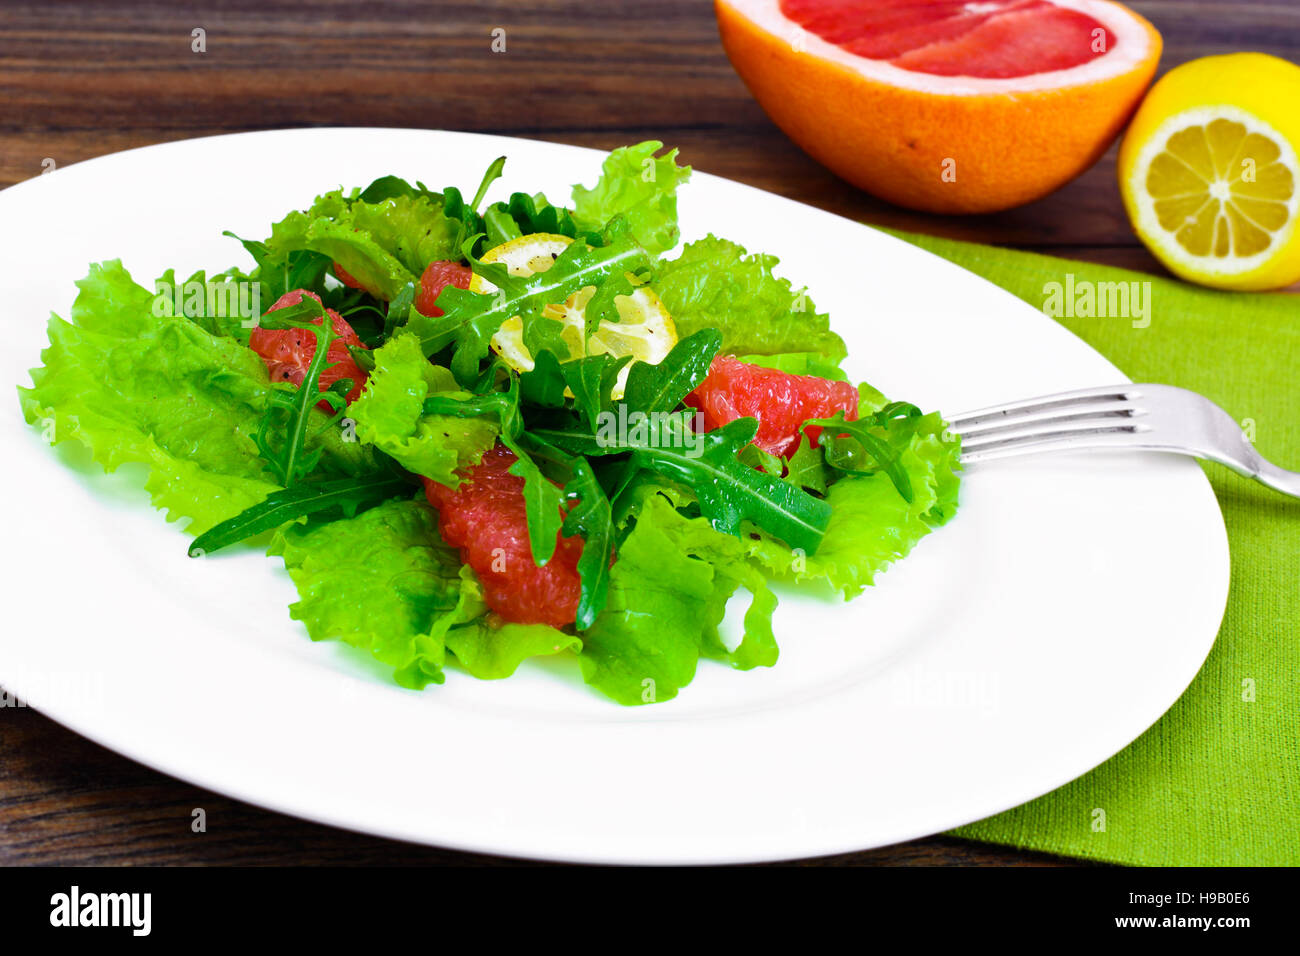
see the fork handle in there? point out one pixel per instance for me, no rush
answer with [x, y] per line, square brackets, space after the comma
[1279, 479]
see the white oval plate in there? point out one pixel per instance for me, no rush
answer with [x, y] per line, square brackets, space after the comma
[1067, 606]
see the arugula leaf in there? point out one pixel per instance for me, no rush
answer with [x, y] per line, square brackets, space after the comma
[544, 383]
[881, 453]
[602, 307]
[278, 274]
[589, 516]
[756, 457]
[728, 491]
[639, 187]
[592, 518]
[662, 387]
[465, 215]
[543, 499]
[713, 284]
[523, 215]
[399, 310]
[347, 495]
[499, 227]
[592, 379]
[390, 187]
[365, 313]
[806, 468]
[289, 407]
[871, 523]
[490, 175]
[470, 319]
[543, 504]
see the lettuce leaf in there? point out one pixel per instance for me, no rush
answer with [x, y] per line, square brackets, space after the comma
[158, 390]
[135, 386]
[668, 592]
[799, 363]
[871, 524]
[390, 414]
[216, 304]
[413, 229]
[383, 245]
[713, 284]
[640, 187]
[385, 582]
[488, 648]
[380, 581]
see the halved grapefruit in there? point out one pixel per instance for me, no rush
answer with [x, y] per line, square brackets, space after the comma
[943, 105]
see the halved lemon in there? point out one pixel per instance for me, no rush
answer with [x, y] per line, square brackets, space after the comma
[645, 330]
[1210, 174]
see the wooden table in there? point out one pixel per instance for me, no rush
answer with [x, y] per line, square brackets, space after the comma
[79, 79]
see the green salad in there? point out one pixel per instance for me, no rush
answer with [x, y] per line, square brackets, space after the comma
[481, 432]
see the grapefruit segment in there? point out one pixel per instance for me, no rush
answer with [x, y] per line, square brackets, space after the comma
[780, 401]
[288, 353]
[945, 106]
[486, 517]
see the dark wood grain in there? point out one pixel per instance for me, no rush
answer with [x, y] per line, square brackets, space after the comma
[81, 79]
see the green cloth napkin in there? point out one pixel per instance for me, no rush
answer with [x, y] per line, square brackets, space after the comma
[1216, 781]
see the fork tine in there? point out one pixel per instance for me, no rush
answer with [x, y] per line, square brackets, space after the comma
[1044, 416]
[1080, 399]
[1074, 435]
[1152, 418]
[1036, 423]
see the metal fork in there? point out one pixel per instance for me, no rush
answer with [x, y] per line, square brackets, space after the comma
[1119, 418]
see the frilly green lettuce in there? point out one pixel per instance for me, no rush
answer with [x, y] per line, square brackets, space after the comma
[390, 414]
[136, 387]
[714, 284]
[641, 188]
[871, 524]
[490, 649]
[383, 245]
[380, 581]
[668, 592]
[385, 582]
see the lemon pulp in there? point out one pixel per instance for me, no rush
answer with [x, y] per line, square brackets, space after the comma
[1221, 189]
[1209, 171]
[645, 330]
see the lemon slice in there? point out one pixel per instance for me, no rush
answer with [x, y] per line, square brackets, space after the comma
[1210, 174]
[644, 331]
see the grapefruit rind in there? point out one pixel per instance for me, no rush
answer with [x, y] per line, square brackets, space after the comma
[940, 143]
